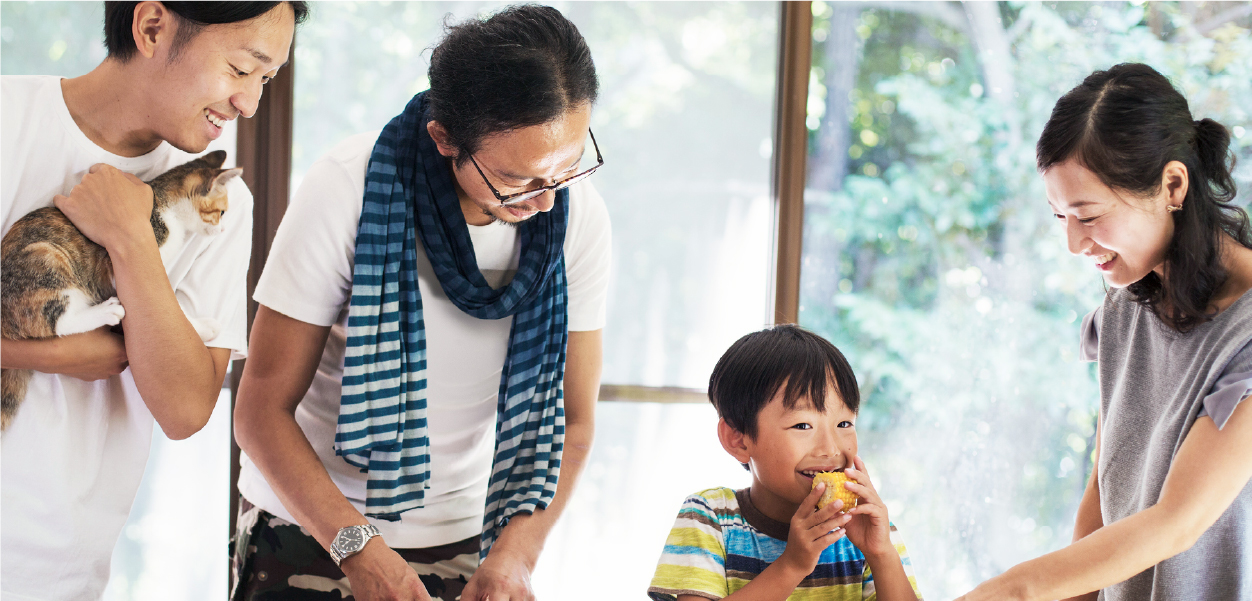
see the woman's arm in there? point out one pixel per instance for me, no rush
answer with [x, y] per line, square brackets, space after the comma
[283, 359]
[1209, 471]
[1089, 518]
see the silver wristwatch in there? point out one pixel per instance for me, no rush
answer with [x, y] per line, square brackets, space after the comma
[351, 540]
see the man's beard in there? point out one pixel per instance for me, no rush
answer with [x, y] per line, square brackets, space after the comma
[508, 223]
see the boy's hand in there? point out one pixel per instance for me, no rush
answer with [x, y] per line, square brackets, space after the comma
[869, 528]
[812, 530]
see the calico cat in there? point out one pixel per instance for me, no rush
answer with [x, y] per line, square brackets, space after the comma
[57, 282]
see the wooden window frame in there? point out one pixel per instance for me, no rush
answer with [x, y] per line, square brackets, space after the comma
[264, 152]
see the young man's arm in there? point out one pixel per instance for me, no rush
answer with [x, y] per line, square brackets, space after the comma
[505, 574]
[93, 355]
[1208, 473]
[177, 375]
[283, 356]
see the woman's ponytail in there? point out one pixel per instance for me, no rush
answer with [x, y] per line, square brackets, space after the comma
[1212, 147]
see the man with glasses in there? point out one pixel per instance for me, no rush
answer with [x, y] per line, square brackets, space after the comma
[426, 357]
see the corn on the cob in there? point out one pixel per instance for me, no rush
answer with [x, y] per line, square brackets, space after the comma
[834, 490]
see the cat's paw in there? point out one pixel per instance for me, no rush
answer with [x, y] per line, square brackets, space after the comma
[206, 327]
[111, 311]
[78, 317]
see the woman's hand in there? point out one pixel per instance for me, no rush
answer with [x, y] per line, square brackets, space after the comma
[503, 576]
[378, 573]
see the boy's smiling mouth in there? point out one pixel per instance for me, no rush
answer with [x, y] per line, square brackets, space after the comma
[813, 472]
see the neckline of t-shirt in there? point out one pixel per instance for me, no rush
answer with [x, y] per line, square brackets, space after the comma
[766, 525]
[129, 164]
[1169, 332]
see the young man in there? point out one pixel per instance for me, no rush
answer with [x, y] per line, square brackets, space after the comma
[75, 452]
[426, 357]
[788, 400]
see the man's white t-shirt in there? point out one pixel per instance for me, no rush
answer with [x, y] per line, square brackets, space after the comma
[73, 457]
[308, 276]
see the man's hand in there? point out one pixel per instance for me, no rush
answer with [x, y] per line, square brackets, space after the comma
[503, 576]
[378, 573]
[869, 528]
[109, 206]
[812, 530]
[93, 355]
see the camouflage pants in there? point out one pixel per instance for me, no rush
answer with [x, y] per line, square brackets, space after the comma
[275, 560]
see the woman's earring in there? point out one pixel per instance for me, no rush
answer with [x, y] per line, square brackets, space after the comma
[1173, 208]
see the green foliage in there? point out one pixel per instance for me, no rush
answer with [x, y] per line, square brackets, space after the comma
[935, 264]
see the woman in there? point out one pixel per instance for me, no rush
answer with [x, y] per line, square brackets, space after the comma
[1145, 191]
[426, 355]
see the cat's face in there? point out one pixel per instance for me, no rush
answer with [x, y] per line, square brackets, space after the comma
[217, 76]
[211, 206]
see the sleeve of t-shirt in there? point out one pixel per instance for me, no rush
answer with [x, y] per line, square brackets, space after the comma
[1089, 336]
[216, 284]
[694, 559]
[868, 593]
[588, 252]
[308, 274]
[1232, 387]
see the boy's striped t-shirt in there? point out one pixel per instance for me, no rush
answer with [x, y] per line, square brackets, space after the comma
[720, 542]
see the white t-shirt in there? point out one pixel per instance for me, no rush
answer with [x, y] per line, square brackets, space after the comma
[308, 276]
[75, 452]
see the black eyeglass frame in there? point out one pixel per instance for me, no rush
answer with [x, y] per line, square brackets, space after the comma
[508, 199]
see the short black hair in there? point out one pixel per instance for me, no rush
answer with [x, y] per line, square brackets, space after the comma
[757, 365]
[119, 19]
[525, 65]
[1124, 125]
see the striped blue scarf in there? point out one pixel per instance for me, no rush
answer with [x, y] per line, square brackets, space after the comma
[382, 416]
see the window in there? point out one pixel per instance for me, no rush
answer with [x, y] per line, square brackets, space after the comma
[685, 123]
[931, 258]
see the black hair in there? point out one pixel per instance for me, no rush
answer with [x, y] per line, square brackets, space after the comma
[526, 65]
[757, 365]
[1124, 125]
[119, 19]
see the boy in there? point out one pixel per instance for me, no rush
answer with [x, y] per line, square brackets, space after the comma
[787, 399]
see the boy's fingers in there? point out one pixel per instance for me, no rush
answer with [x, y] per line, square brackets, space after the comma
[864, 491]
[809, 504]
[819, 516]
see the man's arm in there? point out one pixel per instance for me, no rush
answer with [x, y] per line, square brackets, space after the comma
[1206, 476]
[505, 574]
[177, 376]
[93, 355]
[283, 358]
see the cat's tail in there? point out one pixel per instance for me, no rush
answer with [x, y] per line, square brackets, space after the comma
[12, 392]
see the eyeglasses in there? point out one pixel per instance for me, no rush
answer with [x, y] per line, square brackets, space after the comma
[508, 199]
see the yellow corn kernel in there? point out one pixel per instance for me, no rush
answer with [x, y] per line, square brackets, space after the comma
[834, 490]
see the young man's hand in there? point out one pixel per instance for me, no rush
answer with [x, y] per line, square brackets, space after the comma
[109, 206]
[812, 530]
[869, 528]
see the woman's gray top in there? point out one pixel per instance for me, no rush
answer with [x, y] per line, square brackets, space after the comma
[1154, 383]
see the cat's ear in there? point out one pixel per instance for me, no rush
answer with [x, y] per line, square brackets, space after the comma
[215, 158]
[224, 177]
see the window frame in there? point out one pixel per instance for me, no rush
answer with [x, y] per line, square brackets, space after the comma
[264, 152]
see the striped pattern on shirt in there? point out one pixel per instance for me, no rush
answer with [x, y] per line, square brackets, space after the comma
[714, 550]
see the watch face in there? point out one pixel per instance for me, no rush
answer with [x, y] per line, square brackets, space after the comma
[351, 539]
